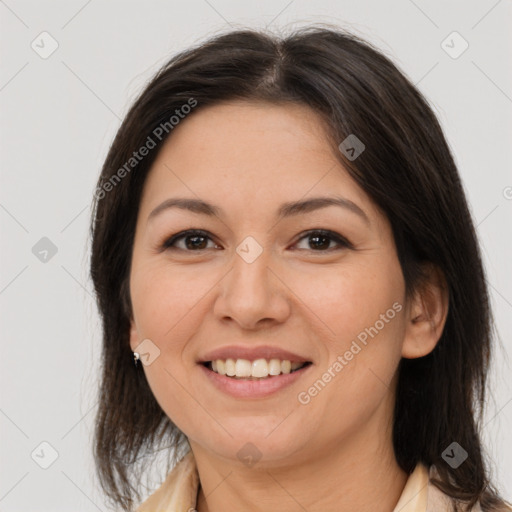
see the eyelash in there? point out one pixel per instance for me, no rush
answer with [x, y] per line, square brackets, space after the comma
[343, 242]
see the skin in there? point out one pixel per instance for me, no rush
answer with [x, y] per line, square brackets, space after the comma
[335, 452]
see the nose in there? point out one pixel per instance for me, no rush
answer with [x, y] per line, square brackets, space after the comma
[252, 294]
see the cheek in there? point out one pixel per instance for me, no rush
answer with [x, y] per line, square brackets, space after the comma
[165, 298]
[167, 305]
[362, 307]
[351, 298]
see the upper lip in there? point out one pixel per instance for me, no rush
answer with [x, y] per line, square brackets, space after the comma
[252, 353]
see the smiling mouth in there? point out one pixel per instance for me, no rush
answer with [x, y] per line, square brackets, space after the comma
[259, 369]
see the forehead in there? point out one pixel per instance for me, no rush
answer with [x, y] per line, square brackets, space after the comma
[236, 131]
[250, 154]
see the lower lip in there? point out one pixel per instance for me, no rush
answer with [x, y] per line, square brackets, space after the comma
[240, 388]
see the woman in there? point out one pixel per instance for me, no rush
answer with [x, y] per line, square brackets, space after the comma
[282, 242]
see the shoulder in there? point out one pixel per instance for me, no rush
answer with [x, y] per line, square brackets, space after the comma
[437, 500]
[504, 507]
[179, 489]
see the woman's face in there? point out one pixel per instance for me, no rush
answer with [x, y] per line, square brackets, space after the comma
[254, 284]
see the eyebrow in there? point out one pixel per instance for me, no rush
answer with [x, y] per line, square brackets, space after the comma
[285, 210]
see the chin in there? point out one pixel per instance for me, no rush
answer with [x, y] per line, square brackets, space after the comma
[257, 441]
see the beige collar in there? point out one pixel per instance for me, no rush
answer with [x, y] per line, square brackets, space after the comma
[178, 493]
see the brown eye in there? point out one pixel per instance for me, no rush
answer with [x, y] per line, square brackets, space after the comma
[319, 240]
[195, 240]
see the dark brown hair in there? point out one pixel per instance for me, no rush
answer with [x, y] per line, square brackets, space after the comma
[406, 168]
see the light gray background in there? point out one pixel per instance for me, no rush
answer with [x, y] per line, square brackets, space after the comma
[59, 116]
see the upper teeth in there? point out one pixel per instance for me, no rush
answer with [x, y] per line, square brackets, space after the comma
[257, 368]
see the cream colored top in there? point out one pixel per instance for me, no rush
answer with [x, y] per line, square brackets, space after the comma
[178, 493]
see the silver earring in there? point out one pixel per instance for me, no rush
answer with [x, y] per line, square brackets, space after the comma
[136, 358]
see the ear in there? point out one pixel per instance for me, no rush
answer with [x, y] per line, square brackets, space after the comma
[134, 335]
[426, 314]
[128, 311]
